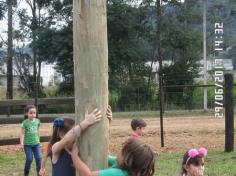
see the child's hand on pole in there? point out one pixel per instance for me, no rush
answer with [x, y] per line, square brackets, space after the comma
[91, 118]
[109, 113]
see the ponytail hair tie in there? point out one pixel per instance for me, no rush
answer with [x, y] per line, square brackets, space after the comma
[58, 122]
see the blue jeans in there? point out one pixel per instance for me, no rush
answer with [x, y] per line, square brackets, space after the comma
[29, 151]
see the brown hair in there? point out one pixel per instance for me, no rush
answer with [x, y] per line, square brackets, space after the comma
[135, 123]
[26, 110]
[196, 161]
[139, 159]
[67, 125]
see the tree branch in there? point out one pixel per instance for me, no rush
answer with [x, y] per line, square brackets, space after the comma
[16, 7]
[4, 42]
[30, 4]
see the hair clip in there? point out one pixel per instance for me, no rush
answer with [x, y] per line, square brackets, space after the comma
[58, 122]
[192, 153]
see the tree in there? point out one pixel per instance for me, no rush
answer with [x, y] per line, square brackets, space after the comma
[2, 60]
[3, 9]
[9, 94]
[8, 5]
[129, 50]
[24, 68]
[182, 45]
[33, 27]
[57, 44]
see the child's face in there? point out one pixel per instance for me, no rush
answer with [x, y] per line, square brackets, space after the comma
[31, 113]
[198, 170]
[140, 130]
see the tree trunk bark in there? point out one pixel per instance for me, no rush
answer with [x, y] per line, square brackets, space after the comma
[9, 53]
[91, 76]
[34, 26]
[39, 85]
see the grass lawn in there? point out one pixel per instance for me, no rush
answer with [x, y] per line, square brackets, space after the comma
[12, 165]
[168, 164]
[217, 164]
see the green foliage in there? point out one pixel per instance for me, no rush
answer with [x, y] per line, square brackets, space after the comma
[198, 95]
[181, 44]
[44, 44]
[56, 108]
[50, 91]
[63, 52]
[24, 65]
[3, 9]
[135, 96]
[128, 53]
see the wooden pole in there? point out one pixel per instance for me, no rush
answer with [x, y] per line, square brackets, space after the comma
[91, 76]
[229, 113]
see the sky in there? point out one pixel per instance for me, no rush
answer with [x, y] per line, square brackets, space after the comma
[3, 23]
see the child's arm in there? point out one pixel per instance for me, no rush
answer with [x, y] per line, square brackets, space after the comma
[80, 165]
[46, 151]
[43, 164]
[22, 135]
[39, 130]
[75, 132]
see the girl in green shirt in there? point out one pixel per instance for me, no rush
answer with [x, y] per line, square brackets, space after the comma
[29, 138]
[134, 159]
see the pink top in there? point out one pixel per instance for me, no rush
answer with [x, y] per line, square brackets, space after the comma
[134, 135]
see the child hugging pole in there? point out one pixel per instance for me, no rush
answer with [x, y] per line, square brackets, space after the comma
[91, 76]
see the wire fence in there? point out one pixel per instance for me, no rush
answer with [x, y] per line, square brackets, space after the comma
[135, 96]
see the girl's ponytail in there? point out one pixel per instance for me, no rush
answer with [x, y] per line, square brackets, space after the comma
[62, 125]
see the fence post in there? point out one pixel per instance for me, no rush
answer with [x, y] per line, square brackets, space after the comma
[161, 109]
[229, 113]
[8, 108]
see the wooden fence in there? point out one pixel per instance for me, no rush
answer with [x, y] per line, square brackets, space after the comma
[41, 101]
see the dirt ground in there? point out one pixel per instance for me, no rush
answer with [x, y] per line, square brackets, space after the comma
[179, 133]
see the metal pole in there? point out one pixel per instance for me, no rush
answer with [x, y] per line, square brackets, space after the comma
[229, 113]
[204, 54]
[161, 110]
[160, 69]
